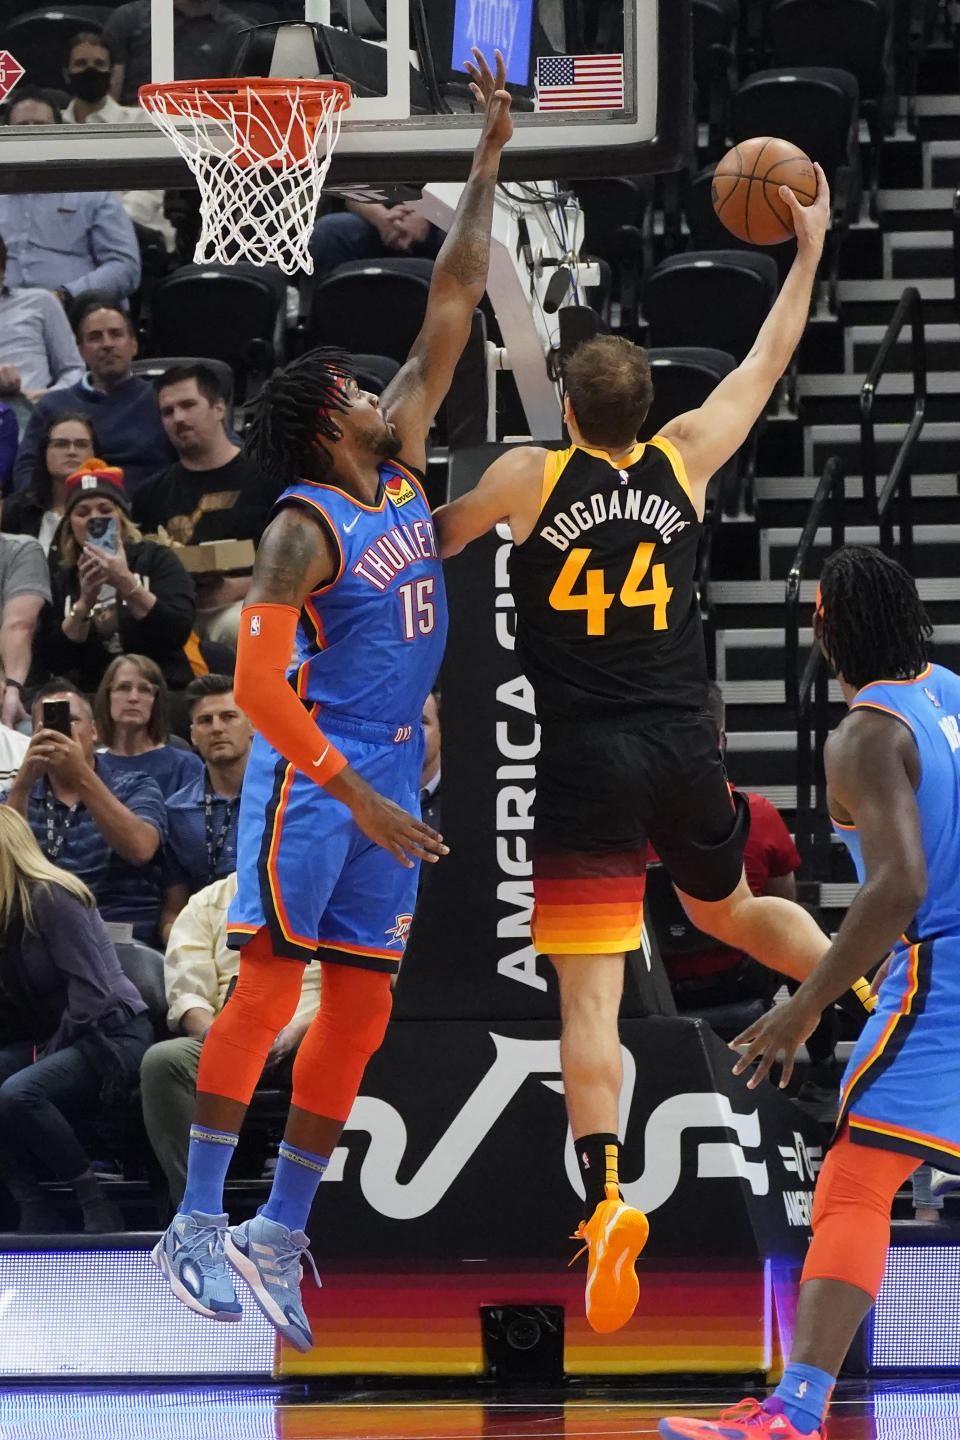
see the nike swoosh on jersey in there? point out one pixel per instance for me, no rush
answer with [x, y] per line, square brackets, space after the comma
[323, 757]
[348, 528]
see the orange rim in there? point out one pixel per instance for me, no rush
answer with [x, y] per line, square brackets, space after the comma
[313, 95]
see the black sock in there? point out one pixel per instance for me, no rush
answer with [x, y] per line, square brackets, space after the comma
[599, 1159]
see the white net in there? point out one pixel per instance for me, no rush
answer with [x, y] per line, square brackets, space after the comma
[260, 154]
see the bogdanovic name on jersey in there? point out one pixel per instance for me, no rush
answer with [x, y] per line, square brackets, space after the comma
[584, 514]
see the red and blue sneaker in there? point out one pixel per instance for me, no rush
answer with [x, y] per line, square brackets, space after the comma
[747, 1421]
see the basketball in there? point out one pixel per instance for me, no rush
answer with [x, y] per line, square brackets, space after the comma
[746, 185]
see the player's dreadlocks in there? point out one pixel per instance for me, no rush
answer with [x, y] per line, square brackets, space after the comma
[296, 405]
[873, 624]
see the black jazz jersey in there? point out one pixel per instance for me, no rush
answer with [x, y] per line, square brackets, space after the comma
[608, 620]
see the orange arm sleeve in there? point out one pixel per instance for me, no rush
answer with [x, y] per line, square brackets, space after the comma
[262, 691]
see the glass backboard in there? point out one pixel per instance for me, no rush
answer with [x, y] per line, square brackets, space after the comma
[601, 86]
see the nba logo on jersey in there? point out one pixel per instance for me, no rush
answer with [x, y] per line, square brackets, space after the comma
[254, 624]
[399, 490]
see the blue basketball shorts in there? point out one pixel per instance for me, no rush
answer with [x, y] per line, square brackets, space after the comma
[304, 869]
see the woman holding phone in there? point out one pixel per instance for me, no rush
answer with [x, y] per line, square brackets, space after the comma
[132, 714]
[73, 1029]
[113, 591]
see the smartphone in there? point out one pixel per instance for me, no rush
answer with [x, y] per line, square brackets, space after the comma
[102, 532]
[56, 716]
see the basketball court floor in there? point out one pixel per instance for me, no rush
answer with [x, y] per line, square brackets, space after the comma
[885, 1411]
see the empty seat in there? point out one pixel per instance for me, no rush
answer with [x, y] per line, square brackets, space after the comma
[220, 313]
[713, 298]
[715, 25]
[683, 378]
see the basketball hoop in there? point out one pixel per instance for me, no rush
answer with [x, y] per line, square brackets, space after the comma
[259, 150]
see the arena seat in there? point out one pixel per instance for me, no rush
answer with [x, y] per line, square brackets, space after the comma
[220, 313]
[683, 377]
[143, 967]
[713, 298]
[376, 307]
[614, 211]
[715, 25]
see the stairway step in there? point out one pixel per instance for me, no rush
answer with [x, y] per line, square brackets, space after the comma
[765, 692]
[861, 343]
[803, 487]
[757, 652]
[838, 896]
[872, 302]
[834, 399]
[910, 255]
[935, 547]
[912, 208]
[937, 449]
[941, 164]
[771, 592]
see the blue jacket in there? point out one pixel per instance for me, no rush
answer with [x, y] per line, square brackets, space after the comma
[126, 421]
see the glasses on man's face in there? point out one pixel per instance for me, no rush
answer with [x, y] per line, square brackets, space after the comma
[69, 445]
[130, 687]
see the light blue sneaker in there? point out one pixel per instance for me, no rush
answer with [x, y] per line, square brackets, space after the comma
[190, 1254]
[267, 1255]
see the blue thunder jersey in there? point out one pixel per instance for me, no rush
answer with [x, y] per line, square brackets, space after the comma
[901, 1090]
[370, 642]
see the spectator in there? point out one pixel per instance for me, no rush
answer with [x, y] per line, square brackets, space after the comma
[37, 348]
[136, 598]
[430, 771]
[121, 405]
[362, 231]
[213, 492]
[202, 817]
[87, 76]
[24, 588]
[13, 745]
[67, 242]
[9, 434]
[107, 830]
[131, 713]
[199, 971]
[205, 42]
[65, 442]
[73, 1031]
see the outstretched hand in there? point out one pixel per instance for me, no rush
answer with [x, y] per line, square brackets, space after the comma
[491, 94]
[780, 1032]
[810, 221]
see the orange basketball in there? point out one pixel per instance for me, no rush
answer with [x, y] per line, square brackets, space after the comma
[746, 186]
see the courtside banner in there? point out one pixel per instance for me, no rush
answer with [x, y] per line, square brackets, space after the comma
[455, 1120]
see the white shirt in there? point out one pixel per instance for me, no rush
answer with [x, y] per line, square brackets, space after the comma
[13, 747]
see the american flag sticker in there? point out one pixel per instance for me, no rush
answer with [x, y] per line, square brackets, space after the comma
[254, 624]
[580, 82]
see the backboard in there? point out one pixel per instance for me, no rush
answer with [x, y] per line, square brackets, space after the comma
[601, 86]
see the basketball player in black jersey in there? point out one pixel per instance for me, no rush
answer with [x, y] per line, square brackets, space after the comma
[608, 630]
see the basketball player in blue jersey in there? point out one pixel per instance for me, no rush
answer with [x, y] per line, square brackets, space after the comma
[340, 642]
[603, 575]
[893, 790]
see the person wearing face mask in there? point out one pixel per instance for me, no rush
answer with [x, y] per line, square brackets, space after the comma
[86, 73]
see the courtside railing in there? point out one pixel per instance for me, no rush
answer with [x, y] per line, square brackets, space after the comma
[806, 693]
[897, 485]
[886, 505]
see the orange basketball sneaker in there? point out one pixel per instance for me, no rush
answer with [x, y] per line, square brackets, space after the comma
[747, 1421]
[615, 1234]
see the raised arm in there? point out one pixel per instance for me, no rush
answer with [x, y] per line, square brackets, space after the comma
[707, 437]
[509, 490]
[415, 394]
[294, 558]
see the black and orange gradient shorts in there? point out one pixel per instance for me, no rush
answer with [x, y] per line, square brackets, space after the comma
[604, 789]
